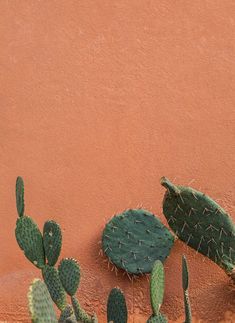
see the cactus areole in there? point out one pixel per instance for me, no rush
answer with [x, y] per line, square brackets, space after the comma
[135, 239]
[201, 223]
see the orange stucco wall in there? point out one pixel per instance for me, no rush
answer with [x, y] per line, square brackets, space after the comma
[99, 99]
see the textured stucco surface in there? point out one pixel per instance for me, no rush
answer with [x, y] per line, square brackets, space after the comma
[99, 99]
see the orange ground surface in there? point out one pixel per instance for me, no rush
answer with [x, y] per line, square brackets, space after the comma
[99, 99]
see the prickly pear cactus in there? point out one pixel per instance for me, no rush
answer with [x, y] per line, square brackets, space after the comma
[67, 315]
[185, 283]
[159, 318]
[201, 223]
[69, 273]
[40, 303]
[29, 239]
[157, 285]
[52, 241]
[20, 196]
[116, 307]
[79, 312]
[57, 292]
[135, 239]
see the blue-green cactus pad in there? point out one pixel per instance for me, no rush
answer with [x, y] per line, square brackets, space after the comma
[201, 223]
[135, 239]
[52, 241]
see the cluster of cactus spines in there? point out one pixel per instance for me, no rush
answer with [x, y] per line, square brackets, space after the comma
[185, 283]
[40, 303]
[135, 239]
[116, 307]
[157, 286]
[43, 252]
[200, 222]
[52, 241]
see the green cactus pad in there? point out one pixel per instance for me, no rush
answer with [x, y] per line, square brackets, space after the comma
[29, 239]
[40, 303]
[56, 290]
[135, 239]
[157, 285]
[79, 312]
[116, 307]
[185, 283]
[159, 318]
[201, 223]
[20, 196]
[52, 240]
[69, 273]
[67, 314]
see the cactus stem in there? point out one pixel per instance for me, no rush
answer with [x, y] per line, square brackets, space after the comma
[170, 186]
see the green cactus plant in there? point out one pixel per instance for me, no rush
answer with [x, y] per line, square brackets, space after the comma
[185, 283]
[43, 252]
[52, 241]
[20, 196]
[200, 222]
[157, 285]
[116, 307]
[135, 239]
[67, 315]
[40, 303]
[69, 273]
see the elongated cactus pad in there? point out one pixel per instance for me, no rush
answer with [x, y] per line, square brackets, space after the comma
[56, 290]
[29, 239]
[40, 303]
[201, 223]
[116, 307]
[69, 273]
[135, 239]
[20, 196]
[159, 318]
[157, 285]
[185, 283]
[52, 240]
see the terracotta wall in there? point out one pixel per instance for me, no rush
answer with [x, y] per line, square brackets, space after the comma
[99, 99]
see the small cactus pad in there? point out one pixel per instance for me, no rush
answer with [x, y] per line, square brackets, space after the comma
[29, 239]
[79, 312]
[201, 223]
[135, 239]
[40, 303]
[20, 196]
[159, 318]
[56, 290]
[52, 240]
[66, 314]
[69, 273]
[157, 283]
[116, 307]
[185, 283]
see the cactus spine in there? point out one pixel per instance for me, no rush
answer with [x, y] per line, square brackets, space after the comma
[201, 223]
[43, 252]
[135, 239]
[185, 283]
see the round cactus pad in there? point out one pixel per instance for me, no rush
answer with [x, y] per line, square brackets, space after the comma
[135, 239]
